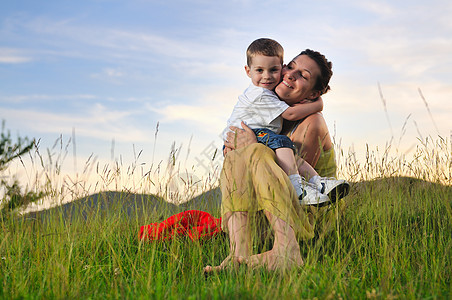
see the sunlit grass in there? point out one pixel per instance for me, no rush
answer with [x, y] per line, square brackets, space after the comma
[392, 239]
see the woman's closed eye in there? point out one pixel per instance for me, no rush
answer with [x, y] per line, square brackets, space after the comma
[297, 74]
[301, 74]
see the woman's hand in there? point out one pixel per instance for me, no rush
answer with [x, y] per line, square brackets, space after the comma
[226, 150]
[239, 138]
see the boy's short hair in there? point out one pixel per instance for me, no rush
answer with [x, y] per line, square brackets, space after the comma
[264, 46]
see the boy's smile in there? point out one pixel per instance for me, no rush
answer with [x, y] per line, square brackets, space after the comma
[265, 71]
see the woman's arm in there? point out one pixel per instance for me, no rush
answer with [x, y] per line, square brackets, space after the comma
[301, 110]
[239, 138]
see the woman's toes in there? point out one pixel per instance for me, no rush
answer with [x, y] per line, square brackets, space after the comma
[208, 269]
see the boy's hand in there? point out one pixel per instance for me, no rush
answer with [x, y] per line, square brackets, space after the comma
[318, 101]
[240, 138]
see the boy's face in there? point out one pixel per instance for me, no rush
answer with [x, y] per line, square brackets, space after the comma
[264, 71]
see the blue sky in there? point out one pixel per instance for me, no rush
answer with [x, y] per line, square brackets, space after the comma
[112, 70]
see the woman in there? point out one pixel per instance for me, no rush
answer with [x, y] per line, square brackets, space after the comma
[251, 181]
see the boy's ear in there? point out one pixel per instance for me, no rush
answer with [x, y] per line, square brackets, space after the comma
[248, 70]
[314, 95]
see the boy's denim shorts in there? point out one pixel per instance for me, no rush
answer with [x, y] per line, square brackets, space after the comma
[273, 140]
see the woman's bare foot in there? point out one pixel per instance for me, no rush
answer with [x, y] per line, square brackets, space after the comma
[229, 262]
[285, 254]
[271, 260]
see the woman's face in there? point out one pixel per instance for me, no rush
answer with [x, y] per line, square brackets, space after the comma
[298, 80]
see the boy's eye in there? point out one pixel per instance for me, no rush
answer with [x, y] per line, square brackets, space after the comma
[259, 70]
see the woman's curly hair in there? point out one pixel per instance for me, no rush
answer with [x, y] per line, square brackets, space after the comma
[326, 71]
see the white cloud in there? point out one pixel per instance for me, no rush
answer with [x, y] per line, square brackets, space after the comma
[99, 122]
[111, 75]
[147, 45]
[44, 98]
[399, 43]
[210, 112]
[379, 8]
[13, 56]
[356, 113]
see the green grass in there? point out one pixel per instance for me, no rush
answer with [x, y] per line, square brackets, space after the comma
[394, 239]
[391, 239]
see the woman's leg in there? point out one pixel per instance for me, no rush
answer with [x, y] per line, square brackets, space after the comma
[239, 234]
[252, 181]
[285, 253]
[237, 194]
[311, 137]
[239, 241]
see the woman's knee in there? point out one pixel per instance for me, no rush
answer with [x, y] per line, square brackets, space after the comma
[260, 151]
[258, 147]
[243, 155]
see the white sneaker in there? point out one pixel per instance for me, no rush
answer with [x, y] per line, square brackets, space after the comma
[334, 188]
[312, 196]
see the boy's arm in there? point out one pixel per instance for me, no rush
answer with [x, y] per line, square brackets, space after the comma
[301, 110]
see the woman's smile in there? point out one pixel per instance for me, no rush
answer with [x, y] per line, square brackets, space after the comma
[286, 84]
[299, 78]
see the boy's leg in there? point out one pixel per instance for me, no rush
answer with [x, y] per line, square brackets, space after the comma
[286, 160]
[305, 169]
[284, 150]
[308, 194]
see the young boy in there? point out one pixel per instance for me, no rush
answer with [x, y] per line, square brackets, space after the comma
[261, 109]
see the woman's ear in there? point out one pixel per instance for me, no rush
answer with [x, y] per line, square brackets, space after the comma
[314, 95]
[248, 70]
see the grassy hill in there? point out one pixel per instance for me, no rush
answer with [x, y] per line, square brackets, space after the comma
[128, 205]
[391, 238]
